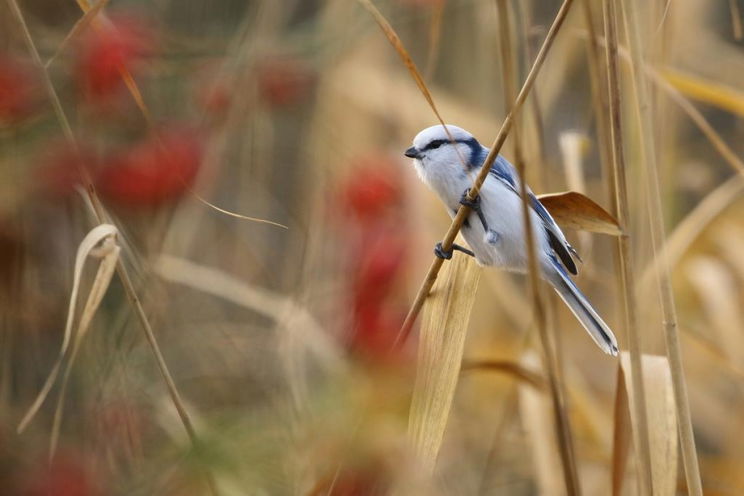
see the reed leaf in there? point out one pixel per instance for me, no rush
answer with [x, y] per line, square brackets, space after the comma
[444, 326]
[103, 277]
[661, 410]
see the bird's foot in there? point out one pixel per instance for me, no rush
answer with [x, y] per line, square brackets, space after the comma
[473, 204]
[446, 255]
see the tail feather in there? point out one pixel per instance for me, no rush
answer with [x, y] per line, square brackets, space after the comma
[583, 310]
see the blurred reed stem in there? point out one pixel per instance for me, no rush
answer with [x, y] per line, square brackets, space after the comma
[464, 211]
[627, 284]
[653, 194]
[562, 424]
[599, 100]
[100, 215]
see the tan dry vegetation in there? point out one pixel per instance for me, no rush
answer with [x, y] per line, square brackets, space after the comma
[269, 362]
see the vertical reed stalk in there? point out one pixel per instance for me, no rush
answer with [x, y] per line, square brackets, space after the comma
[627, 283]
[562, 425]
[653, 193]
[599, 100]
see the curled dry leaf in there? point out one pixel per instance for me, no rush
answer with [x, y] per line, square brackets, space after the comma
[103, 233]
[576, 211]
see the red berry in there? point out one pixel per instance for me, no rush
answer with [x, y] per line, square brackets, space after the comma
[18, 90]
[154, 171]
[109, 48]
[284, 81]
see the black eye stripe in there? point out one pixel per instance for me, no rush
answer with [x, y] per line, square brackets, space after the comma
[434, 144]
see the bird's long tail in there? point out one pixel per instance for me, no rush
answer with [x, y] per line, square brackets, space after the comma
[583, 310]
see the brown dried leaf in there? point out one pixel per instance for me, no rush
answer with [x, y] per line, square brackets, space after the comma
[576, 211]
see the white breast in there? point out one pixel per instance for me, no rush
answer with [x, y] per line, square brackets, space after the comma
[504, 246]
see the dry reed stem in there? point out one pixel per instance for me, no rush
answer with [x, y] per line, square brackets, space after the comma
[397, 44]
[653, 193]
[720, 95]
[79, 26]
[435, 35]
[625, 262]
[562, 423]
[736, 27]
[598, 91]
[508, 367]
[673, 92]
[100, 215]
[692, 226]
[464, 211]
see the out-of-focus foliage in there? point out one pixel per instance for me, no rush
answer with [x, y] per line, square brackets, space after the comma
[279, 340]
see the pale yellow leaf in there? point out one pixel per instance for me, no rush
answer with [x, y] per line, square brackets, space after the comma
[443, 329]
[662, 419]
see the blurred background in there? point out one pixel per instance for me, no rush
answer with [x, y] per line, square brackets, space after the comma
[277, 332]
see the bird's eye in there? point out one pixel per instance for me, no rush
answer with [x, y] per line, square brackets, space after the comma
[435, 144]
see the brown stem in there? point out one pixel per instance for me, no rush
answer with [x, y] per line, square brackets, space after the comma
[627, 284]
[562, 425]
[656, 221]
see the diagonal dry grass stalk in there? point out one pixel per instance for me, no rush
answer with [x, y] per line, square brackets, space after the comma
[625, 262]
[100, 214]
[653, 194]
[464, 211]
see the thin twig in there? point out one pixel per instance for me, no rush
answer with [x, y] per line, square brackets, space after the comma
[464, 211]
[101, 217]
[627, 284]
[669, 312]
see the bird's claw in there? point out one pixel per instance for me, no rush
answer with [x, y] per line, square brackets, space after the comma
[466, 201]
[440, 253]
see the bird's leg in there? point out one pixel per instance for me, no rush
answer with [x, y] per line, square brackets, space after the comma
[475, 206]
[446, 255]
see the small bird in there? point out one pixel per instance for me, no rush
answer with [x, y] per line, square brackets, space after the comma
[448, 164]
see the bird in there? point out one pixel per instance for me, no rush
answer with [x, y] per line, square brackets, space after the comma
[447, 160]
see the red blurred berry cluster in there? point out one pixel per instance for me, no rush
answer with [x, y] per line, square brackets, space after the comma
[284, 80]
[159, 169]
[146, 174]
[374, 232]
[19, 90]
[65, 476]
[110, 48]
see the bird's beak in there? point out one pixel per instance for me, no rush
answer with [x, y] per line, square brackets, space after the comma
[412, 153]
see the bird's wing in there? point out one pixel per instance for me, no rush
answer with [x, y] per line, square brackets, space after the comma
[505, 172]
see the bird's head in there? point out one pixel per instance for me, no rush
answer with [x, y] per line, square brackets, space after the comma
[435, 146]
